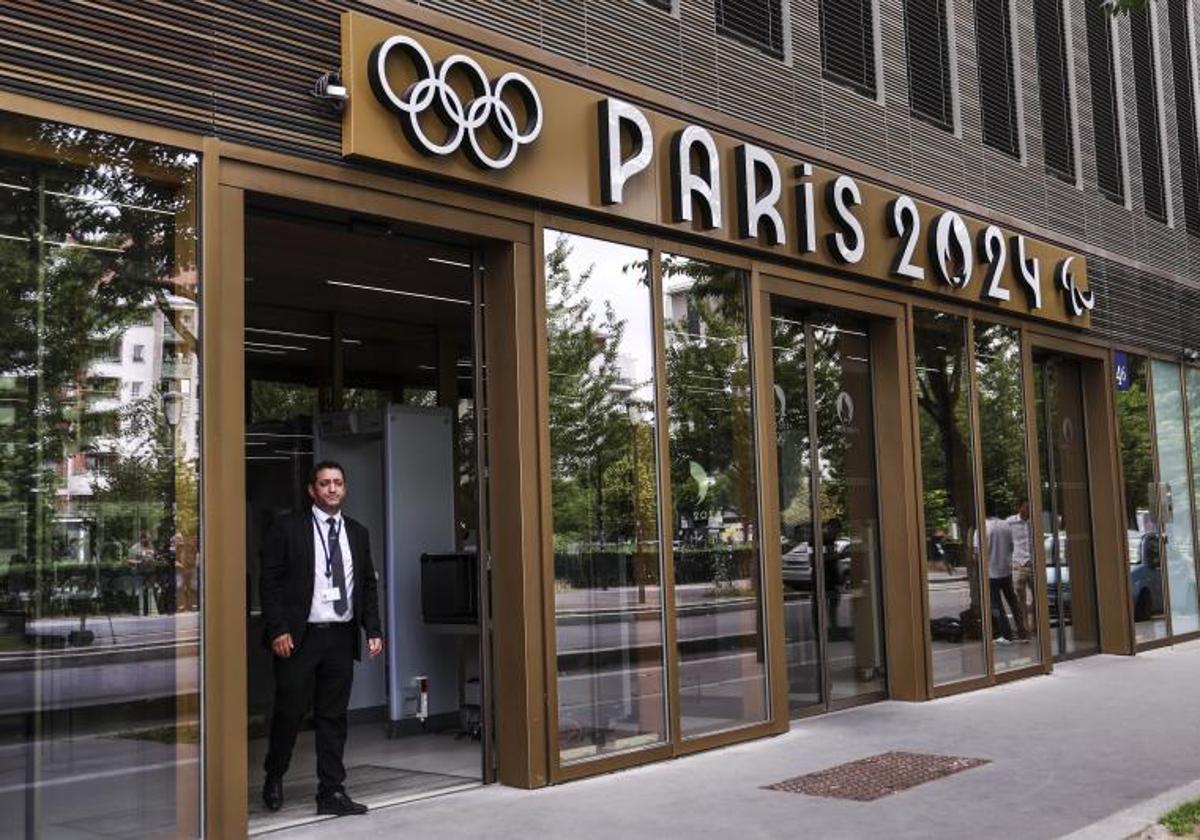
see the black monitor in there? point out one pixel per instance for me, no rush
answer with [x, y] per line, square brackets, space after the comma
[450, 588]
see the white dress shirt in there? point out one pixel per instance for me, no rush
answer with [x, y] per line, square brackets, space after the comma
[1022, 533]
[322, 610]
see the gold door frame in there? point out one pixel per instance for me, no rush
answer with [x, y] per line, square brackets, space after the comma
[892, 460]
[501, 235]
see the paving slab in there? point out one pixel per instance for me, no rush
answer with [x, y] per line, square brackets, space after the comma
[1064, 753]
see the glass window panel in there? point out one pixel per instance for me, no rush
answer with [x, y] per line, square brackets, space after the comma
[1174, 498]
[1141, 530]
[99, 485]
[1192, 381]
[952, 563]
[849, 513]
[1008, 529]
[1066, 526]
[798, 546]
[714, 487]
[604, 480]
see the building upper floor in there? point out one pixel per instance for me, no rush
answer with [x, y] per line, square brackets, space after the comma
[1078, 125]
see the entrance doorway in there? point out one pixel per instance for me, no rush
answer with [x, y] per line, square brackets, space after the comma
[1066, 527]
[362, 346]
[828, 505]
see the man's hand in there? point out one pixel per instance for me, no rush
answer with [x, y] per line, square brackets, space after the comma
[374, 646]
[282, 645]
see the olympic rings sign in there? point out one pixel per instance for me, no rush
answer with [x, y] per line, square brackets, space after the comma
[463, 120]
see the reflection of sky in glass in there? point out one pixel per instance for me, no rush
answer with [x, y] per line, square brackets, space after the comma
[617, 279]
[1172, 468]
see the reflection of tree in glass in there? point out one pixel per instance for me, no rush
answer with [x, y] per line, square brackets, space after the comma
[791, 426]
[942, 397]
[88, 251]
[708, 381]
[1133, 423]
[602, 447]
[1001, 415]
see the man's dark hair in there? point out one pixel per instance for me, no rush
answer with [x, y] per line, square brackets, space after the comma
[324, 465]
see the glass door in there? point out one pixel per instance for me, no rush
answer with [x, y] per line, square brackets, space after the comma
[1066, 527]
[828, 510]
[1172, 498]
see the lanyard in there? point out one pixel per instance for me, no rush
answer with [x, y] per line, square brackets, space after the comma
[337, 533]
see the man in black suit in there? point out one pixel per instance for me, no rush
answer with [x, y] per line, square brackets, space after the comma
[318, 588]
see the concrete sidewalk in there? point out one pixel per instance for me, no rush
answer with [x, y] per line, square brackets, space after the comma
[1076, 750]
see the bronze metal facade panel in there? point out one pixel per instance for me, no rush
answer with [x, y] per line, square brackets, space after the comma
[243, 72]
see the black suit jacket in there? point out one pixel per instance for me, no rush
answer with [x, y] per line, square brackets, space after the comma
[286, 581]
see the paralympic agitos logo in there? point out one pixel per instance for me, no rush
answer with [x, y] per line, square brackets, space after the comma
[484, 124]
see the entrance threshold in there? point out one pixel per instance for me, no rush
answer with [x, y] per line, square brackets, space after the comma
[260, 826]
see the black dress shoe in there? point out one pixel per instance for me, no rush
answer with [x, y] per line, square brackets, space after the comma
[339, 805]
[273, 793]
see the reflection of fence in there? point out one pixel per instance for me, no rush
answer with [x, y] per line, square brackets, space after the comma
[603, 569]
[90, 589]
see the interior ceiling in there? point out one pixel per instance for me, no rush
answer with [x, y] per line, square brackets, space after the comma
[419, 286]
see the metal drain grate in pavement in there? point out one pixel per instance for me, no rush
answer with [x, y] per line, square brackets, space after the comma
[877, 776]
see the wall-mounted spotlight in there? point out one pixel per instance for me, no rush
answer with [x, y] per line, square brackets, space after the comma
[1190, 354]
[329, 89]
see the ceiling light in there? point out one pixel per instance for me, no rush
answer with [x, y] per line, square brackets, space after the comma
[263, 345]
[365, 288]
[287, 334]
[455, 263]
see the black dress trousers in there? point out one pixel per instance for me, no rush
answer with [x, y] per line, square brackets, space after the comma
[318, 674]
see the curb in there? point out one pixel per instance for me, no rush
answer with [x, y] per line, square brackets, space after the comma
[1124, 824]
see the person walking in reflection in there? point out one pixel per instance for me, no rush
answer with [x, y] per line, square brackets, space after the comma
[834, 562]
[1022, 560]
[1000, 577]
[318, 591]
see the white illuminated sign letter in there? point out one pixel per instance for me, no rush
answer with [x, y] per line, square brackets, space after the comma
[1029, 271]
[617, 116]
[806, 211]
[849, 244]
[689, 186]
[1079, 301]
[904, 222]
[756, 205]
[950, 245]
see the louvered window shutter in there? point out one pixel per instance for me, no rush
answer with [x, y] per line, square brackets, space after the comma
[1057, 142]
[928, 60]
[756, 22]
[1147, 112]
[848, 43]
[1185, 112]
[997, 93]
[1109, 170]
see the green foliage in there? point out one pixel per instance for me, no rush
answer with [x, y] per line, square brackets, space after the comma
[602, 452]
[1122, 7]
[98, 232]
[1183, 820]
[1001, 416]
[942, 398]
[708, 383]
[1137, 454]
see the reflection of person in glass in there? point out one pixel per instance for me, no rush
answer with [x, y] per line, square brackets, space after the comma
[1022, 559]
[937, 550]
[1000, 577]
[833, 561]
[318, 590]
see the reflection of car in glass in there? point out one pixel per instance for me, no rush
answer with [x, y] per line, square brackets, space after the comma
[1058, 577]
[797, 564]
[1145, 575]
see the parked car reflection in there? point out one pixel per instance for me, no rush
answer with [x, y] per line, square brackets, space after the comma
[798, 569]
[1145, 575]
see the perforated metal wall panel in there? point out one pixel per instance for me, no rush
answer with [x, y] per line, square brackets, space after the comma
[243, 71]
